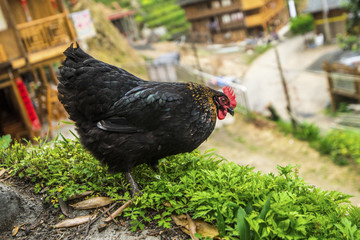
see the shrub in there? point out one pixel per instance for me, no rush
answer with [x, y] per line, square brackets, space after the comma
[350, 42]
[343, 146]
[244, 204]
[304, 131]
[302, 24]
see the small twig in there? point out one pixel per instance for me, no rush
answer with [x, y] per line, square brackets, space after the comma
[61, 236]
[120, 210]
[155, 233]
[87, 227]
[35, 226]
[112, 218]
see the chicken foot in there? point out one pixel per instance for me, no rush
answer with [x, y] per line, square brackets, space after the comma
[135, 190]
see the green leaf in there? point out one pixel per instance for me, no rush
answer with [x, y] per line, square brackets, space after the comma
[220, 223]
[5, 141]
[265, 208]
[242, 225]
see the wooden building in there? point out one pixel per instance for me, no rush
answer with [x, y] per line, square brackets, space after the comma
[223, 21]
[335, 14]
[124, 21]
[344, 83]
[33, 36]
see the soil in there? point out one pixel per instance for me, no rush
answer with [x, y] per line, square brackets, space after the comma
[39, 223]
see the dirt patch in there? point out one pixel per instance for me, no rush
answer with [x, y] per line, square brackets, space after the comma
[261, 146]
[37, 218]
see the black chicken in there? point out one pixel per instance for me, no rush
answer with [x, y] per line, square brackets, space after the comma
[125, 121]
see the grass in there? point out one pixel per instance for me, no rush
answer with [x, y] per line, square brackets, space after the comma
[242, 203]
[258, 50]
[343, 146]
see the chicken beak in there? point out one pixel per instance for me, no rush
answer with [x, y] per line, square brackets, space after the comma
[231, 111]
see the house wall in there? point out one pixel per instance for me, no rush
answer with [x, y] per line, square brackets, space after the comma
[8, 36]
[336, 19]
[37, 9]
[232, 21]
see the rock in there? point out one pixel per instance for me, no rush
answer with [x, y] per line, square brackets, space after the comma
[16, 208]
[10, 208]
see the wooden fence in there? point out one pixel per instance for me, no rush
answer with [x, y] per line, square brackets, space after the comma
[344, 83]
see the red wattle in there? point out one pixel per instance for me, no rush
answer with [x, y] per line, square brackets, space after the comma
[222, 114]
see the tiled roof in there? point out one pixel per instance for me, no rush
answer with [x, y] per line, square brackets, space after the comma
[188, 2]
[317, 5]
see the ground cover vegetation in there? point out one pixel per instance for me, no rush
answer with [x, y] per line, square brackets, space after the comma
[242, 203]
[343, 146]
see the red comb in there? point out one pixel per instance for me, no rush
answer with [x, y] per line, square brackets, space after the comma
[229, 92]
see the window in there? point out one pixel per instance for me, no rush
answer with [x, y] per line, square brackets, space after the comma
[226, 3]
[226, 18]
[237, 16]
[3, 24]
[215, 4]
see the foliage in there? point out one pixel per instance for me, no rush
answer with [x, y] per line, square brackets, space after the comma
[343, 146]
[304, 131]
[163, 13]
[244, 204]
[353, 7]
[5, 141]
[350, 42]
[302, 24]
[258, 50]
[122, 3]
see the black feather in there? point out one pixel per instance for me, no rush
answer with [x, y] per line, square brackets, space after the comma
[125, 121]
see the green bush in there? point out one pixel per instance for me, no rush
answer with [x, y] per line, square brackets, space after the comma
[350, 42]
[304, 131]
[343, 146]
[244, 204]
[302, 24]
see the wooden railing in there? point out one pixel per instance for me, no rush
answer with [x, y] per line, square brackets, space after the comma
[251, 4]
[3, 57]
[344, 81]
[264, 15]
[45, 32]
[193, 13]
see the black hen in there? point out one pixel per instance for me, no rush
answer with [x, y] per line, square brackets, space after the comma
[125, 121]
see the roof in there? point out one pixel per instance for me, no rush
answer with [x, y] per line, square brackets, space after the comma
[120, 14]
[317, 5]
[188, 2]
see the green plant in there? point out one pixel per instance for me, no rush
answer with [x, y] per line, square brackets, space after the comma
[302, 24]
[163, 13]
[5, 141]
[304, 131]
[343, 146]
[353, 7]
[350, 42]
[244, 204]
[258, 50]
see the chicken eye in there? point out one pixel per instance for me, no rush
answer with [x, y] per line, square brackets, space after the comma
[223, 100]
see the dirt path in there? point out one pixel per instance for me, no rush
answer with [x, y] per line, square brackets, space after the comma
[264, 148]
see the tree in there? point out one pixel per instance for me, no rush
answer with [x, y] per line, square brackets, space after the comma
[302, 24]
[353, 7]
[167, 13]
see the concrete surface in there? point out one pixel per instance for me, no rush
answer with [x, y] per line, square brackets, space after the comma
[308, 90]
